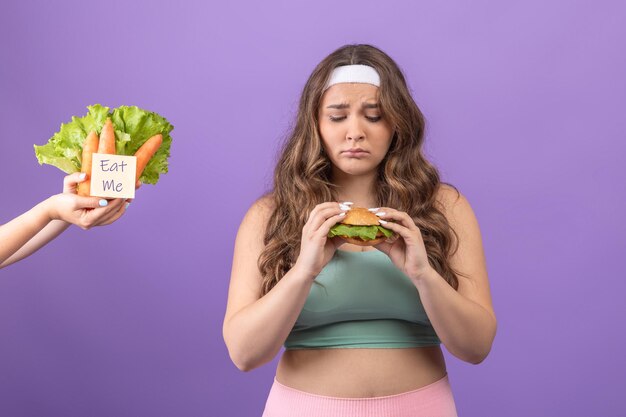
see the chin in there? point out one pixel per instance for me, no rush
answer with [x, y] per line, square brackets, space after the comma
[354, 172]
[357, 169]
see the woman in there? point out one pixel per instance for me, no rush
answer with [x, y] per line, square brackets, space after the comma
[32, 230]
[362, 327]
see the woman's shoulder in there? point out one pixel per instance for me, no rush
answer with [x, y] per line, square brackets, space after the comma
[451, 201]
[263, 206]
[260, 211]
[455, 206]
[253, 226]
[447, 195]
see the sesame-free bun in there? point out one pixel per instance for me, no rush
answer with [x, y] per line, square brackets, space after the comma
[359, 216]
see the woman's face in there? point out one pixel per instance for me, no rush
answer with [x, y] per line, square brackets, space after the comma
[354, 135]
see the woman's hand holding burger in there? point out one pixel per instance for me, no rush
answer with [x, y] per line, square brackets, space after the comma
[329, 225]
[316, 248]
[408, 253]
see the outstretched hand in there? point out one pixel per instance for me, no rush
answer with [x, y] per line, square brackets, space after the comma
[85, 212]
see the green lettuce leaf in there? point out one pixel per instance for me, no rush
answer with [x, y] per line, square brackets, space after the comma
[361, 232]
[133, 127]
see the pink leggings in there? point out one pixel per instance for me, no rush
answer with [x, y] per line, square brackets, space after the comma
[433, 400]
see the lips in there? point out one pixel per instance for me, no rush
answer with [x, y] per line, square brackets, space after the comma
[355, 152]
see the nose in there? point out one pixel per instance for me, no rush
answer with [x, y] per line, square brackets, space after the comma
[355, 130]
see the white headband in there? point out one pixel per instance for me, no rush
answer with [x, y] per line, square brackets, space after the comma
[353, 74]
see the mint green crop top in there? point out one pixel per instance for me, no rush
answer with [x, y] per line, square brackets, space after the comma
[363, 301]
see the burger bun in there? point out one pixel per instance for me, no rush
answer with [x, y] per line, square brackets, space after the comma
[360, 242]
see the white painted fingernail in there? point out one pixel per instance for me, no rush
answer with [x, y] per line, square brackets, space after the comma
[345, 208]
[382, 213]
[103, 203]
[343, 213]
[381, 221]
[373, 209]
[347, 203]
[127, 204]
[82, 176]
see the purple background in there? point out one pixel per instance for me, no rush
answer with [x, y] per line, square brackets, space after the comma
[525, 106]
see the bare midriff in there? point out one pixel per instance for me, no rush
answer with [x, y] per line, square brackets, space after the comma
[360, 373]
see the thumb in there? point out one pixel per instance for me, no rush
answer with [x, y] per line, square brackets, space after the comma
[74, 178]
[90, 202]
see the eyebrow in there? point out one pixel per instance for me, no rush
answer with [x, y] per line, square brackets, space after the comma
[347, 106]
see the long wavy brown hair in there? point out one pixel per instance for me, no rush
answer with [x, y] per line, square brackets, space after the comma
[406, 180]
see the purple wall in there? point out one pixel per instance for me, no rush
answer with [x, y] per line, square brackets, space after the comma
[525, 103]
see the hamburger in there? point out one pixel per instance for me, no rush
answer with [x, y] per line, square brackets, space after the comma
[360, 227]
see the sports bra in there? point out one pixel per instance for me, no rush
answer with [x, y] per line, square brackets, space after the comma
[362, 300]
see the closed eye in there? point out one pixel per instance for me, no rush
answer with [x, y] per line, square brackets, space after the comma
[371, 119]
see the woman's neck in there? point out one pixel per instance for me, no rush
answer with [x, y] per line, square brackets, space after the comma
[359, 189]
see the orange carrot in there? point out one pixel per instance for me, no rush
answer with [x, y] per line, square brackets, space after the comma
[146, 152]
[89, 147]
[107, 138]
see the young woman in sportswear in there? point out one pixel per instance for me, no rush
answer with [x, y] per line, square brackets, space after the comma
[361, 326]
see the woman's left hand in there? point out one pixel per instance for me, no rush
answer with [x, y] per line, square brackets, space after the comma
[406, 249]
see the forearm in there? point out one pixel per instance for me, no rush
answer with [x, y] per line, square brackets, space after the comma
[47, 234]
[465, 327]
[255, 334]
[16, 233]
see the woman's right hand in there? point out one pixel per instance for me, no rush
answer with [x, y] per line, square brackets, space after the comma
[85, 212]
[316, 249]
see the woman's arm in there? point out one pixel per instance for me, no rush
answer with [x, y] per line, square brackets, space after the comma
[27, 233]
[465, 326]
[256, 327]
[32, 230]
[464, 320]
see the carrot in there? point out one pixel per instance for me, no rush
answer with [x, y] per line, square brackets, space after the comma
[107, 138]
[89, 147]
[146, 152]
